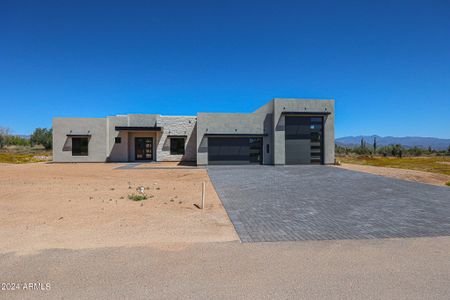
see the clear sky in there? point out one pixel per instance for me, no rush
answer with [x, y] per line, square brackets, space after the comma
[386, 63]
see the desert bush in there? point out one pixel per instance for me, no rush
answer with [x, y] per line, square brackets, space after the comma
[362, 151]
[137, 197]
[15, 140]
[42, 136]
[4, 132]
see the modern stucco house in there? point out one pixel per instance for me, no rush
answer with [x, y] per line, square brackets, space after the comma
[283, 131]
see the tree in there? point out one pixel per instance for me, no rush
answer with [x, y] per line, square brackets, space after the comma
[42, 136]
[17, 140]
[4, 132]
[397, 150]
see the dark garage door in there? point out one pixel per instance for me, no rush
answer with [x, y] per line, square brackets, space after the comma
[234, 150]
[304, 140]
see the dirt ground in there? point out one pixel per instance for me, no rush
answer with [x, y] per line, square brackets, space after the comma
[79, 206]
[410, 175]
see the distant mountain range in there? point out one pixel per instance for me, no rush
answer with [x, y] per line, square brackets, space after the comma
[407, 142]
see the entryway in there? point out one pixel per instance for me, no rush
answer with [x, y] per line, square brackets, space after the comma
[143, 147]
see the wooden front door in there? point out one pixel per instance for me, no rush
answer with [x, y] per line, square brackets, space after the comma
[143, 148]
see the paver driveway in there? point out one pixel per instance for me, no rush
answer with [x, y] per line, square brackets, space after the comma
[267, 203]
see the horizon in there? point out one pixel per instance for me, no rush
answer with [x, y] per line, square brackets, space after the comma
[339, 137]
[387, 65]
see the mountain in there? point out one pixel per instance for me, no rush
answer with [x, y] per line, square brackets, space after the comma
[407, 142]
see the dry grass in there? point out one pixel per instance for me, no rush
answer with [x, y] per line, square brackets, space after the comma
[433, 164]
[17, 158]
[24, 155]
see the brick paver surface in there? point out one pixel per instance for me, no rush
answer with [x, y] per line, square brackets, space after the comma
[267, 203]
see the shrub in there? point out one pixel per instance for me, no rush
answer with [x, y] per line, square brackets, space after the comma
[362, 151]
[137, 197]
[42, 136]
[4, 132]
[17, 141]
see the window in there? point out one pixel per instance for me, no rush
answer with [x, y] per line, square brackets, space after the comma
[177, 146]
[267, 148]
[255, 150]
[80, 146]
[118, 140]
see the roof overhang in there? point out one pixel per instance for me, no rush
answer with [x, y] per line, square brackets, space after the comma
[138, 128]
[177, 135]
[307, 113]
[78, 135]
[237, 134]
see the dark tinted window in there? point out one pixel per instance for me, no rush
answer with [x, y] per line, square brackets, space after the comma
[80, 146]
[176, 146]
[118, 140]
[315, 136]
[255, 151]
[297, 128]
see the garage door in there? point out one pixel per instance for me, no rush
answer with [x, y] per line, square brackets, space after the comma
[303, 140]
[234, 150]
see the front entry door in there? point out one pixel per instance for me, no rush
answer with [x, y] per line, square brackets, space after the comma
[143, 148]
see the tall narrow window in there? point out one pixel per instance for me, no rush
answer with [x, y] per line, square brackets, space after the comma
[177, 146]
[80, 146]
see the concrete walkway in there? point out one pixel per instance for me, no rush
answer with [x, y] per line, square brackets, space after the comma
[156, 166]
[357, 269]
[267, 203]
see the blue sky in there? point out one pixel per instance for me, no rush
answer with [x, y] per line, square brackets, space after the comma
[386, 63]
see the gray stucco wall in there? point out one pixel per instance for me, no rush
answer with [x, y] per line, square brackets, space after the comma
[117, 152]
[302, 105]
[62, 145]
[258, 122]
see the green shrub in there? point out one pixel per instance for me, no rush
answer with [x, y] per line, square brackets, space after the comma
[42, 136]
[15, 140]
[137, 197]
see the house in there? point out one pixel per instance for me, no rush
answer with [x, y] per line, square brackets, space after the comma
[283, 131]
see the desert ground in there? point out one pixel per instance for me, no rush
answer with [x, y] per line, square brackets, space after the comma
[73, 227]
[80, 206]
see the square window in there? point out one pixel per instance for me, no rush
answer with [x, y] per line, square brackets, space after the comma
[118, 140]
[177, 146]
[80, 146]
